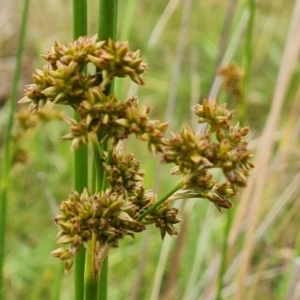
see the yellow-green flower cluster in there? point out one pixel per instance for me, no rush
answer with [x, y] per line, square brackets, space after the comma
[122, 206]
[223, 147]
[25, 126]
[232, 76]
[111, 214]
[105, 214]
[117, 61]
[63, 80]
[230, 152]
[124, 175]
[115, 119]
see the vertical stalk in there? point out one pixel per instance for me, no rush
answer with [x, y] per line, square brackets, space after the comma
[103, 280]
[80, 155]
[224, 253]
[6, 166]
[128, 19]
[91, 285]
[94, 288]
[241, 113]
[242, 108]
[108, 11]
[56, 290]
[125, 27]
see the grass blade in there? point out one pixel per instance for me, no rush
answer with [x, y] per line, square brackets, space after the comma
[7, 161]
[80, 155]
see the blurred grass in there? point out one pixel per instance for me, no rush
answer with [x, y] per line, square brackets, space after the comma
[30, 270]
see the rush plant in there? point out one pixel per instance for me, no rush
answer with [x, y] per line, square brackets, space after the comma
[115, 204]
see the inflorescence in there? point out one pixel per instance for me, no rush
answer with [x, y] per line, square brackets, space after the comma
[123, 206]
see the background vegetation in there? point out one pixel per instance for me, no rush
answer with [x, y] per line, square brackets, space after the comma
[183, 43]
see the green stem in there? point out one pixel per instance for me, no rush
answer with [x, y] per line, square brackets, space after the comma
[128, 19]
[58, 281]
[224, 254]
[101, 184]
[160, 201]
[79, 262]
[241, 113]
[97, 157]
[6, 164]
[107, 29]
[242, 108]
[107, 19]
[80, 155]
[79, 18]
[104, 182]
[91, 284]
[103, 280]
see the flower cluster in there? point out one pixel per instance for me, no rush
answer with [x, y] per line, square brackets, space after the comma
[115, 119]
[122, 206]
[223, 147]
[117, 61]
[111, 214]
[232, 76]
[25, 124]
[63, 81]
[105, 214]
[231, 153]
[25, 120]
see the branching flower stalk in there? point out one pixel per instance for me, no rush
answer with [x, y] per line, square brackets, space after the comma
[121, 206]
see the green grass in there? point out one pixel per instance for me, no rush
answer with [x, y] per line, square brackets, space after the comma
[30, 272]
[7, 155]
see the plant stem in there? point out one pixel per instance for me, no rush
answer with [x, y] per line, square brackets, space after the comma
[7, 154]
[160, 201]
[242, 108]
[224, 254]
[241, 113]
[58, 281]
[107, 19]
[79, 18]
[80, 155]
[91, 286]
[103, 280]
[97, 157]
[107, 29]
[128, 19]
